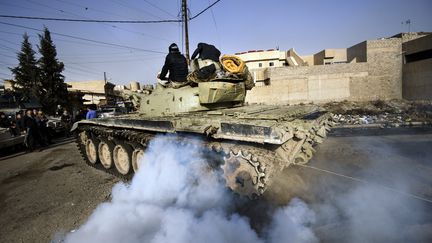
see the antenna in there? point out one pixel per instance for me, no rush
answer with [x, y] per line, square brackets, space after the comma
[407, 22]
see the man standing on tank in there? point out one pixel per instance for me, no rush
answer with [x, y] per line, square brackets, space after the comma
[206, 52]
[176, 65]
[205, 61]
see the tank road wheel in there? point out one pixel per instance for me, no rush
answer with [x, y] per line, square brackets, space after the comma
[105, 150]
[242, 174]
[137, 157]
[91, 150]
[122, 155]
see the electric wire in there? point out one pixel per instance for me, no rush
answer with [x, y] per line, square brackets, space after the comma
[161, 9]
[105, 21]
[85, 39]
[202, 11]
[93, 20]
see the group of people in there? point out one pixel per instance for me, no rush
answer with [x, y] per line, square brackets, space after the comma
[205, 63]
[33, 123]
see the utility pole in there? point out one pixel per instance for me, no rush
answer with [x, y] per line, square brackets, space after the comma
[185, 24]
[105, 79]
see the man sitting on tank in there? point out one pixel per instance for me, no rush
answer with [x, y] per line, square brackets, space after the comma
[207, 64]
[176, 65]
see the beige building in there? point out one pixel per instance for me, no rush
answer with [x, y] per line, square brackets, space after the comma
[96, 92]
[417, 69]
[263, 59]
[370, 70]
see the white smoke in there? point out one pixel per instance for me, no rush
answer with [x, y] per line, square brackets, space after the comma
[380, 208]
[175, 197]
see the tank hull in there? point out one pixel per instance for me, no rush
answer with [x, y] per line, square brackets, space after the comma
[253, 142]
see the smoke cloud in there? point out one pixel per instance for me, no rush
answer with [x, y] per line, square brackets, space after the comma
[380, 208]
[176, 197]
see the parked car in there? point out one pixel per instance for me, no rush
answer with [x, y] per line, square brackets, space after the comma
[7, 140]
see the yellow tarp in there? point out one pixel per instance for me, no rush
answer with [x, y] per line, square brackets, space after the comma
[233, 64]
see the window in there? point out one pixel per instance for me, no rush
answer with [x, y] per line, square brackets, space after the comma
[271, 64]
[259, 64]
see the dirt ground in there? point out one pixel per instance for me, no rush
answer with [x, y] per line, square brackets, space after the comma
[51, 192]
[48, 192]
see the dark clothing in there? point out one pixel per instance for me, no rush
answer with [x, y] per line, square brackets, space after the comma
[207, 51]
[66, 121]
[33, 134]
[29, 123]
[4, 122]
[44, 131]
[65, 118]
[20, 124]
[177, 66]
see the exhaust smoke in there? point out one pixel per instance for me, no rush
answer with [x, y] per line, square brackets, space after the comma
[176, 197]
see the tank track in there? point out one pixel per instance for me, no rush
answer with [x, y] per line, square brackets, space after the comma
[248, 167]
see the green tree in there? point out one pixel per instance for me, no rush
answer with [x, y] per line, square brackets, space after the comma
[54, 90]
[26, 73]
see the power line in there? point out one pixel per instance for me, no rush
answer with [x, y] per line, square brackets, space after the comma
[108, 21]
[138, 10]
[88, 8]
[7, 48]
[80, 16]
[5, 74]
[94, 20]
[10, 42]
[161, 9]
[202, 11]
[85, 39]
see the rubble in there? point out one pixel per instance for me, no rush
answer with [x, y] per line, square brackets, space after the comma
[394, 113]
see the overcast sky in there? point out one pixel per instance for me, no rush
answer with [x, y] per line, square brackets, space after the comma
[232, 25]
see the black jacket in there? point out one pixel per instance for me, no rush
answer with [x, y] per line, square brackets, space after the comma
[177, 66]
[207, 51]
[30, 122]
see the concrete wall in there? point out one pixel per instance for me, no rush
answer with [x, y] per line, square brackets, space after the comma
[378, 78]
[328, 56]
[417, 75]
[357, 53]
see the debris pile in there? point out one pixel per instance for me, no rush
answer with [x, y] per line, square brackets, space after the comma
[392, 113]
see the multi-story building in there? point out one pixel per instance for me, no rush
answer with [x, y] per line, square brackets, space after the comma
[96, 92]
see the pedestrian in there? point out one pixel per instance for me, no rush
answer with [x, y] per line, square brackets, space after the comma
[91, 112]
[66, 120]
[19, 121]
[177, 66]
[32, 133]
[42, 122]
[59, 111]
[4, 121]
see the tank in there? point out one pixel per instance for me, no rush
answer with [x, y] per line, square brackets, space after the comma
[252, 142]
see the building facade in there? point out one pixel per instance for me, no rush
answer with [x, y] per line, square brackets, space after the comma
[96, 92]
[370, 70]
[417, 69]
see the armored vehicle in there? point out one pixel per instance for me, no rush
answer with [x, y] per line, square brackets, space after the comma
[253, 141]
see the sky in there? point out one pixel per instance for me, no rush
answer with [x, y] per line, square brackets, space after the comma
[233, 26]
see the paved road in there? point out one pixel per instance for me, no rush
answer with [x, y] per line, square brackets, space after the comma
[44, 193]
